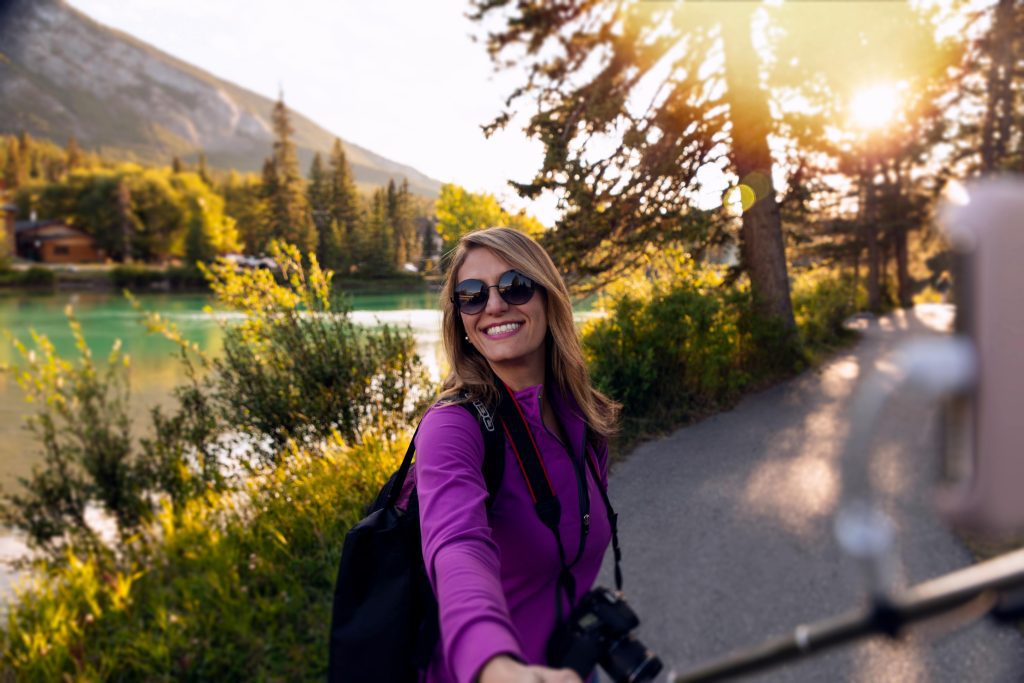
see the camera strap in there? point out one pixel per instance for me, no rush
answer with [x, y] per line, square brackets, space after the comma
[545, 501]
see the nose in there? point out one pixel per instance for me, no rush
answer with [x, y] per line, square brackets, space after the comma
[495, 304]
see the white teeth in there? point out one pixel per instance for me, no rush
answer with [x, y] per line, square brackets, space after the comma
[502, 329]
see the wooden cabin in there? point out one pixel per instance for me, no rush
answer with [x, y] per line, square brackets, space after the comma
[52, 241]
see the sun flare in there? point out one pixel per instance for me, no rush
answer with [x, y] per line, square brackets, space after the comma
[875, 106]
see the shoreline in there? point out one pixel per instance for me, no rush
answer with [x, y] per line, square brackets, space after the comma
[141, 278]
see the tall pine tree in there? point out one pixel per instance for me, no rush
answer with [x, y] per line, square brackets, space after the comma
[344, 200]
[288, 210]
[401, 214]
[74, 155]
[14, 175]
[328, 250]
[377, 240]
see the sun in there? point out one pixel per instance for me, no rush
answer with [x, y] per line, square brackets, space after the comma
[875, 106]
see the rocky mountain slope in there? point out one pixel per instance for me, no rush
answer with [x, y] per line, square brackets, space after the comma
[63, 74]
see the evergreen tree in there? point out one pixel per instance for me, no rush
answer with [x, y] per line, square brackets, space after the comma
[320, 195]
[377, 252]
[24, 143]
[395, 255]
[125, 219]
[176, 166]
[344, 200]
[14, 176]
[73, 155]
[288, 209]
[403, 221]
[430, 243]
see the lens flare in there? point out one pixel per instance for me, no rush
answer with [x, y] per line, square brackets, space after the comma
[875, 106]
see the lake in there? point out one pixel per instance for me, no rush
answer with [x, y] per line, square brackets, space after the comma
[155, 366]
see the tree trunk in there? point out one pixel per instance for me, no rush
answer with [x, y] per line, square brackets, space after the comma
[761, 244]
[902, 273]
[999, 108]
[856, 276]
[869, 230]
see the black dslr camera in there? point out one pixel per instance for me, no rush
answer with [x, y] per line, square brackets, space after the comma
[598, 632]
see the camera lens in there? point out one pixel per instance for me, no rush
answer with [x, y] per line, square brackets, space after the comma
[628, 661]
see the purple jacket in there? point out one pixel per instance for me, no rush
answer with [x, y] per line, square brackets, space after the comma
[495, 571]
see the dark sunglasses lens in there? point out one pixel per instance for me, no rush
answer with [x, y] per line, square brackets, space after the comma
[470, 296]
[515, 288]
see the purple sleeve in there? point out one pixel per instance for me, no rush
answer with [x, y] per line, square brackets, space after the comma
[461, 558]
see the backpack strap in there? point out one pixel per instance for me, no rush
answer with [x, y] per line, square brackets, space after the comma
[613, 517]
[494, 446]
[527, 456]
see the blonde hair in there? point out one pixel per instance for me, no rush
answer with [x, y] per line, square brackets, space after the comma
[471, 373]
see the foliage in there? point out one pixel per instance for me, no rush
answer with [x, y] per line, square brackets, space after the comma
[25, 159]
[670, 341]
[460, 211]
[822, 300]
[135, 213]
[136, 277]
[32, 277]
[283, 189]
[680, 341]
[233, 586]
[84, 430]
[244, 201]
[344, 207]
[303, 367]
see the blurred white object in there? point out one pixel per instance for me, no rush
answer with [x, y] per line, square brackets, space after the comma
[986, 436]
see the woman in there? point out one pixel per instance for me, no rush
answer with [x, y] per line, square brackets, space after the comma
[495, 570]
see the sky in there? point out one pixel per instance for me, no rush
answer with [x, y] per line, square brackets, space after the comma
[402, 78]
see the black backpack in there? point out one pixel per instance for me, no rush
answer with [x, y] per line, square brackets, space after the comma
[384, 621]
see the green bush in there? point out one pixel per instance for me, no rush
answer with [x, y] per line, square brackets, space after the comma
[298, 368]
[822, 300]
[140, 277]
[235, 586]
[38, 276]
[681, 341]
[674, 347]
[35, 277]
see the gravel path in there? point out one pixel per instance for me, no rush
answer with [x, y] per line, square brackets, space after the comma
[726, 529]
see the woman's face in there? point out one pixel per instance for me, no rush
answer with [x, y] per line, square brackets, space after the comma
[509, 336]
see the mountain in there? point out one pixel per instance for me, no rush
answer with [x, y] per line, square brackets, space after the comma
[63, 74]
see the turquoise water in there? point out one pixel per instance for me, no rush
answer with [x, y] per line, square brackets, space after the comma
[155, 367]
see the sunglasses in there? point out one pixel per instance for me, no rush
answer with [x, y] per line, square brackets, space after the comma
[514, 287]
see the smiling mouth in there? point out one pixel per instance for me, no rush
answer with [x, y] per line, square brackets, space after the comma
[502, 329]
